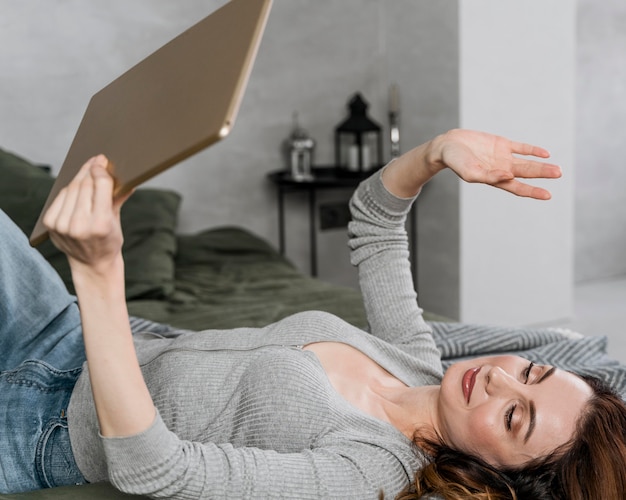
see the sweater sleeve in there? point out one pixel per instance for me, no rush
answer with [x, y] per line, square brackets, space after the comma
[158, 464]
[379, 248]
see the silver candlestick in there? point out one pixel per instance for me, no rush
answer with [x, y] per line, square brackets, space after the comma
[394, 120]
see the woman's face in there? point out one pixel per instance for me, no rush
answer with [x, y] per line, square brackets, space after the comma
[507, 410]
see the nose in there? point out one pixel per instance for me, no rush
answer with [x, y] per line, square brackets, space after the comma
[499, 381]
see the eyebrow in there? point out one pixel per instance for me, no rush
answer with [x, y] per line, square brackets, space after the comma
[532, 409]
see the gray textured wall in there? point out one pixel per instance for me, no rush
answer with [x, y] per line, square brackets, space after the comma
[600, 212]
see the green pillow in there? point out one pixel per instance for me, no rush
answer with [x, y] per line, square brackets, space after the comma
[14, 168]
[148, 221]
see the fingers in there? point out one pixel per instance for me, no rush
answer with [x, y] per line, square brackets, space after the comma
[67, 196]
[52, 214]
[525, 169]
[104, 184]
[524, 190]
[497, 176]
[528, 169]
[77, 200]
[529, 150]
[104, 202]
[75, 204]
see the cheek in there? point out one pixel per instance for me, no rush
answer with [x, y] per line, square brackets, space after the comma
[476, 430]
[479, 432]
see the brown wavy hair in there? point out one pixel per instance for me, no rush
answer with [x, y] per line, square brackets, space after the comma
[591, 465]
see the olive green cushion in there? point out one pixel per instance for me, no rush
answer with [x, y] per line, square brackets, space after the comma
[149, 220]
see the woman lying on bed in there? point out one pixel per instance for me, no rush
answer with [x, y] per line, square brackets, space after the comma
[308, 407]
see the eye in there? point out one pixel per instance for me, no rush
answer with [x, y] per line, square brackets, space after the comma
[508, 417]
[527, 372]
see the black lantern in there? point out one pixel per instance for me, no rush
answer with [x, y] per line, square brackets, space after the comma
[358, 141]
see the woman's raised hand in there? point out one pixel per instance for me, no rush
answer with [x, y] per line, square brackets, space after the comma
[84, 219]
[491, 159]
[475, 157]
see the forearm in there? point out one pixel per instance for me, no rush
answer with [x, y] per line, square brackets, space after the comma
[379, 245]
[122, 400]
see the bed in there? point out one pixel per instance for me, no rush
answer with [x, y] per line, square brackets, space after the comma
[228, 277]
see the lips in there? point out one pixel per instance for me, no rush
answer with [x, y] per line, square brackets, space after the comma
[469, 379]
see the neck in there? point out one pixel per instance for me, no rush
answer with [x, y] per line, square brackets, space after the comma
[411, 409]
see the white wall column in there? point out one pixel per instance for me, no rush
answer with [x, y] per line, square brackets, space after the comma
[516, 78]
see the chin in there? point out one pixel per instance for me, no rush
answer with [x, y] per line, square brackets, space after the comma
[451, 388]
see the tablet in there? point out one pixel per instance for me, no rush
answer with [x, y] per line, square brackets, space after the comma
[176, 102]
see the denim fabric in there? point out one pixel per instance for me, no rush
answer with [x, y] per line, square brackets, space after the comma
[35, 450]
[41, 356]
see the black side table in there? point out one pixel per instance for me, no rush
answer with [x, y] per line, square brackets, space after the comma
[323, 178]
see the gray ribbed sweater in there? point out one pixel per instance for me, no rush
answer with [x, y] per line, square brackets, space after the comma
[247, 413]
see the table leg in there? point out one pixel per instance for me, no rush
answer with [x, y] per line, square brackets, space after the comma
[281, 221]
[313, 231]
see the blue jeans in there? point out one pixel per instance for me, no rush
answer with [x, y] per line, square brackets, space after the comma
[41, 357]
